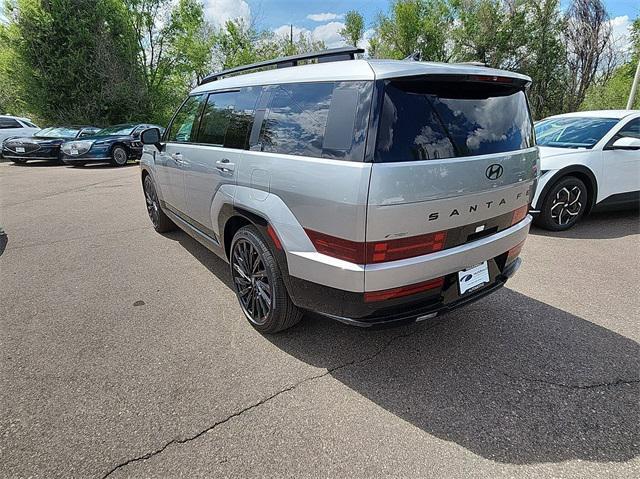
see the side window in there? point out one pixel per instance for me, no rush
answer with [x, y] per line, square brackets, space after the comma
[631, 130]
[184, 124]
[242, 118]
[6, 123]
[216, 117]
[322, 120]
[296, 119]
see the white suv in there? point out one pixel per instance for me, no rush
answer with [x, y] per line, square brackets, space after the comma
[15, 126]
[589, 159]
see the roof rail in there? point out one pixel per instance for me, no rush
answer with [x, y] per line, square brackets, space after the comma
[331, 55]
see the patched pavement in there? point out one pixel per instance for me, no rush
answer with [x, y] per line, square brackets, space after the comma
[124, 354]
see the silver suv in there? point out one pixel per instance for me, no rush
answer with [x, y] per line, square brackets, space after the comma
[371, 191]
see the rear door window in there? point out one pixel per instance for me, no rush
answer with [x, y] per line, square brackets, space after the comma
[6, 123]
[428, 120]
[216, 117]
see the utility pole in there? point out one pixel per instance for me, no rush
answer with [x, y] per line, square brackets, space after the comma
[291, 35]
[634, 87]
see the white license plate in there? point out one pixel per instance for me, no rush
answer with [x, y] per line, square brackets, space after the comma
[473, 278]
[74, 152]
[19, 149]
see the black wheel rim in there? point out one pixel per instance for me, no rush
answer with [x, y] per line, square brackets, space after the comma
[251, 282]
[120, 156]
[566, 205]
[151, 197]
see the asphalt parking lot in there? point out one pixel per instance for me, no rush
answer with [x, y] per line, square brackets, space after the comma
[124, 354]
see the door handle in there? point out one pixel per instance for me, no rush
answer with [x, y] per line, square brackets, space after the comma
[225, 165]
[177, 157]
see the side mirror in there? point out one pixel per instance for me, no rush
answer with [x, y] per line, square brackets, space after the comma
[151, 136]
[626, 143]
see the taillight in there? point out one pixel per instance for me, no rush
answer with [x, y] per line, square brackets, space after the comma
[514, 252]
[519, 214]
[381, 251]
[347, 250]
[385, 294]
[377, 251]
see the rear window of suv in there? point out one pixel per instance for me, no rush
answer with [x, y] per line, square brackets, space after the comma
[428, 120]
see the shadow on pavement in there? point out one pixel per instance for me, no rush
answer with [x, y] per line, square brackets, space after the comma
[33, 163]
[510, 378]
[599, 225]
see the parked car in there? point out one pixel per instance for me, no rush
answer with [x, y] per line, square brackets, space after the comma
[15, 126]
[44, 144]
[373, 191]
[117, 144]
[589, 160]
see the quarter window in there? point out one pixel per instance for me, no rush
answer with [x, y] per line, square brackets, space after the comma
[184, 125]
[322, 120]
[630, 130]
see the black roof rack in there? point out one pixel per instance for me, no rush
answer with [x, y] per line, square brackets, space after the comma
[331, 55]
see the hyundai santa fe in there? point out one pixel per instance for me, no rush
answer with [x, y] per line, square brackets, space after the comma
[371, 191]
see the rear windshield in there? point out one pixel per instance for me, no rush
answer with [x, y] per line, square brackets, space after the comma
[428, 120]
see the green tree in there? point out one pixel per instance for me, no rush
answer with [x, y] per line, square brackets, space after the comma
[412, 26]
[75, 60]
[353, 30]
[614, 93]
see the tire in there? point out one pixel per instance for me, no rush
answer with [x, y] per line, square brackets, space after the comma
[564, 205]
[119, 156]
[262, 295]
[161, 222]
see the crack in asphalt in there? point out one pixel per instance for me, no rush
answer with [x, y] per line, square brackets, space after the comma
[328, 371]
[257, 404]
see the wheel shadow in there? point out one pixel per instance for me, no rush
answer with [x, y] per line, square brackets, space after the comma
[510, 378]
[599, 225]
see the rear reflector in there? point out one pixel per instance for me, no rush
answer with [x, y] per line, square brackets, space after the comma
[514, 252]
[274, 237]
[385, 294]
[377, 251]
[519, 214]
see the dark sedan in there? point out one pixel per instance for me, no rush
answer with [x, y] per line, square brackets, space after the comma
[116, 144]
[45, 144]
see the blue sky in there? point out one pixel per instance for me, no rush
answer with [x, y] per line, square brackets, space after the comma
[322, 19]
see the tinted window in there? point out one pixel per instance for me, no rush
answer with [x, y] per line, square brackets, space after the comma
[573, 132]
[631, 129]
[9, 123]
[215, 118]
[424, 120]
[182, 127]
[242, 117]
[116, 130]
[325, 120]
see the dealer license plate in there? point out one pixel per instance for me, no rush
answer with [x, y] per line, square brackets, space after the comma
[74, 152]
[19, 149]
[473, 278]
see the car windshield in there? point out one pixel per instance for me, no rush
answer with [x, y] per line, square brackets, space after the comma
[58, 132]
[573, 132]
[116, 130]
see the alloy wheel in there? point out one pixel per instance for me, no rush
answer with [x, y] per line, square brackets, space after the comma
[120, 156]
[251, 281]
[151, 197]
[566, 205]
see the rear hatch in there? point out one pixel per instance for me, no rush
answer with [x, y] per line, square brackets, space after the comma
[455, 160]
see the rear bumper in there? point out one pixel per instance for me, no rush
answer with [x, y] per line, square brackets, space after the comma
[350, 308]
[352, 278]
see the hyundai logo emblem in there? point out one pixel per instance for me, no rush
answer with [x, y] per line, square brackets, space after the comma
[494, 171]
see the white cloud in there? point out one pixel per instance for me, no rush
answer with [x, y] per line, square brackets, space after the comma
[621, 32]
[324, 17]
[218, 12]
[327, 33]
